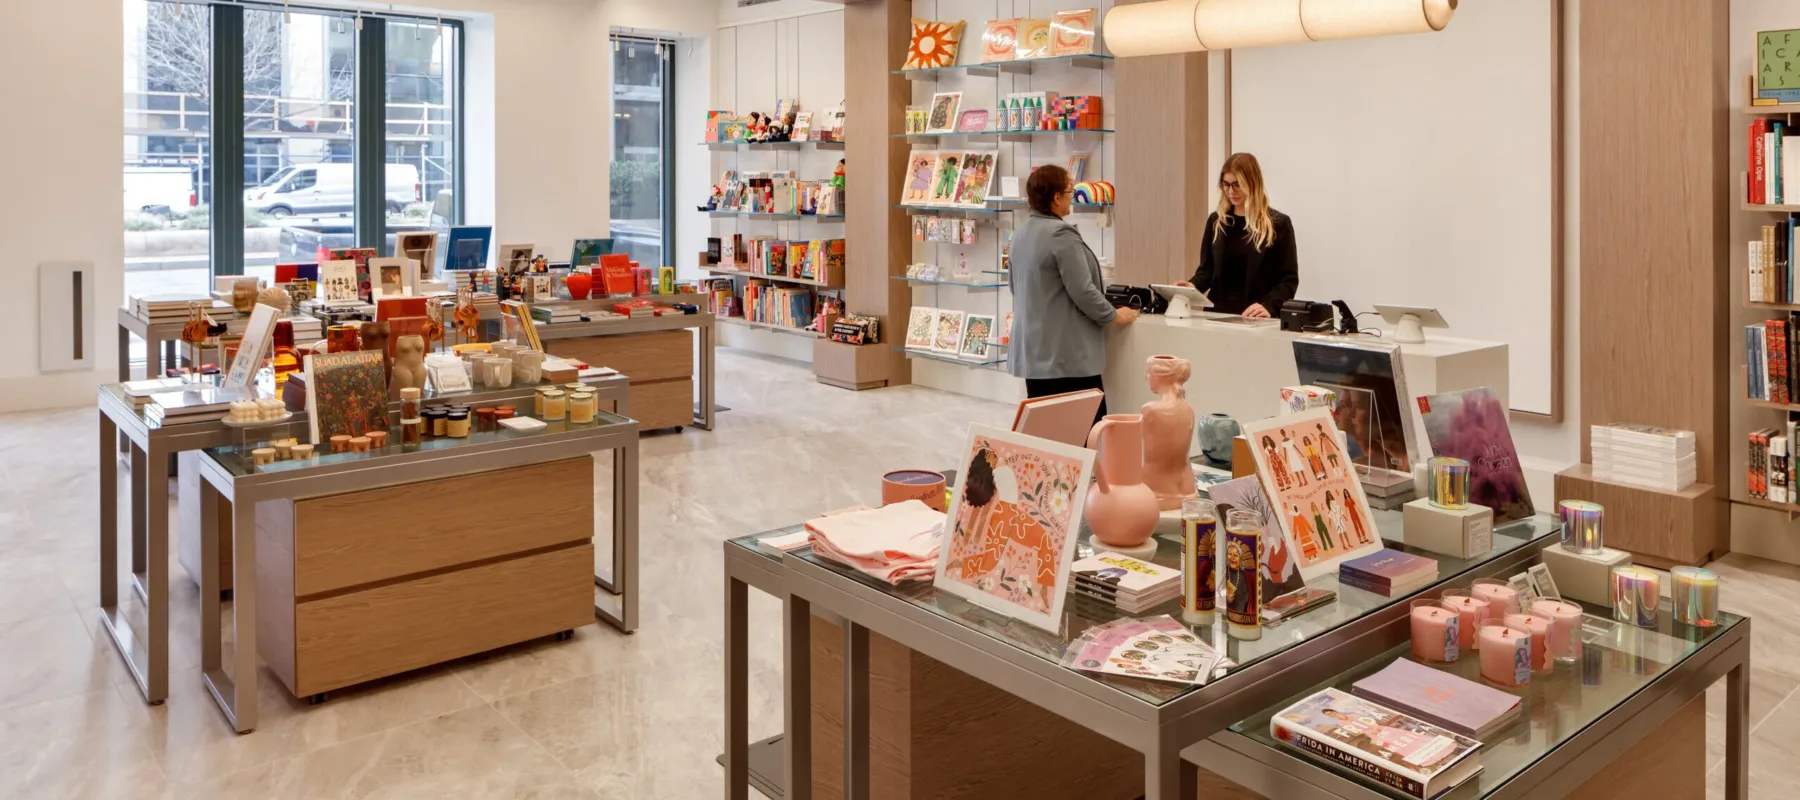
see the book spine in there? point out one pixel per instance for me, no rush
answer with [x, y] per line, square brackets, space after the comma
[1354, 761]
[1792, 472]
[1366, 585]
[1775, 136]
[1768, 152]
[1777, 338]
[1778, 461]
[1757, 127]
[1768, 263]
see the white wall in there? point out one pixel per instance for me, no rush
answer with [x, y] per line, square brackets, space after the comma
[538, 140]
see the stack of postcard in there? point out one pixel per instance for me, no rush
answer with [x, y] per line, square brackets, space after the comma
[1134, 586]
[1159, 649]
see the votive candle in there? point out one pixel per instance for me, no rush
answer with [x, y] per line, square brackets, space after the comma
[1539, 628]
[1449, 483]
[1434, 632]
[1502, 599]
[1199, 531]
[1505, 655]
[1581, 526]
[1565, 627]
[1696, 595]
[1636, 593]
[1243, 587]
[1471, 612]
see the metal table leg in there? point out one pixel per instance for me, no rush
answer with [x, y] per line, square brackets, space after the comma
[152, 674]
[235, 694]
[604, 580]
[707, 408]
[737, 689]
[1168, 777]
[140, 516]
[797, 674]
[1737, 730]
[124, 354]
[856, 711]
[625, 541]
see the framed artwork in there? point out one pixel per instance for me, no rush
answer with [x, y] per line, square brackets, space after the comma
[976, 180]
[933, 44]
[998, 40]
[515, 261]
[468, 247]
[1471, 425]
[921, 167]
[1010, 535]
[347, 393]
[945, 173]
[587, 252]
[1313, 489]
[972, 120]
[947, 331]
[337, 281]
[1372, 396]
[942, 116]
[977, 334]
[1034, 39]
[393, 276]
[919, 327]
[420, 246]
[1072, 32]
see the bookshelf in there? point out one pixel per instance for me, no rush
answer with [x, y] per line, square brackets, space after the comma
[1751, 415]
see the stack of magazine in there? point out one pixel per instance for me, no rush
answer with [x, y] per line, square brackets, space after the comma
[1134, 586]
[1398, 751]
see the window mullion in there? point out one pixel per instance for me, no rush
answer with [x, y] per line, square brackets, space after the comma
[370, 143]
[226, 170]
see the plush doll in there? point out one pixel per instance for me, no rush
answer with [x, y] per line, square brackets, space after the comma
[782, 130]
[758, 129]
[837, 175]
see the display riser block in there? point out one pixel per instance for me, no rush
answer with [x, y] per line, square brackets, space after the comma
[1585, 579]
[1463, 533]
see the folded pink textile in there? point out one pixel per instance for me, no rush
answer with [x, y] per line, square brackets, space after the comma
[894, 543]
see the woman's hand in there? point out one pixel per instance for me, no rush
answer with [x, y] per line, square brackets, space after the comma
[1126, 316]
[1256, 311]
[1185, 283]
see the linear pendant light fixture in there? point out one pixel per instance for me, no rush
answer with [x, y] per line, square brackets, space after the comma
[1192, 26]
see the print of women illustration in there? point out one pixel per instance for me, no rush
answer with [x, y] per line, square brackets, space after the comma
[1011, 556]
[1295, 464]
[1303, 532]
[1276, 463]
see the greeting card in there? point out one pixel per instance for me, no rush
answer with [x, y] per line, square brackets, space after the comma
[1313, 489]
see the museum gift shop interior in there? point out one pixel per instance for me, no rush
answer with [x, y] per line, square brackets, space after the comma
[1360, 397]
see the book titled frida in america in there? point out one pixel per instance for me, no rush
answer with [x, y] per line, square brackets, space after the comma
[1399, 751]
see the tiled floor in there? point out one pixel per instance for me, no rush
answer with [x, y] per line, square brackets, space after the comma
[612, 716]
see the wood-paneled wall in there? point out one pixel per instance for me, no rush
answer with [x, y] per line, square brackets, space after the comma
[879, 242]
[1162, 173]
[1654, 97]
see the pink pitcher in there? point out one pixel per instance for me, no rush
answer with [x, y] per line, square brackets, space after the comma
[1121, 509]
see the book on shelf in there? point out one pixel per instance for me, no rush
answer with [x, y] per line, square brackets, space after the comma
[1456, 703]
[856, 329]
[1131, 584]
[1643, 455]
[1388, 571]
[1397, 750]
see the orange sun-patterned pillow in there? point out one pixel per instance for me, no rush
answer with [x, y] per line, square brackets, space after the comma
[933, 44]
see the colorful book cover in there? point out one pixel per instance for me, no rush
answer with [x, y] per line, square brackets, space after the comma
[1318, 499]
[1472, 425]
[713, 118]
[1395, 749]
[1459, 704]
[1117, 573]
[468, 247]
[1389, 567]
[361, 256]
[346, 393]
[337, 281]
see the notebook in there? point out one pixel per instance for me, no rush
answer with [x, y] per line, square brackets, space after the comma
[1435, 695]
[1065, 418]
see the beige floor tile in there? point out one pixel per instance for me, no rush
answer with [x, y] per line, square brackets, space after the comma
[52, 657]
[91, 745]
[30, 587]
[1768, 689]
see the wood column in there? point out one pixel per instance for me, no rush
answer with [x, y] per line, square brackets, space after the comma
[1655, 97]
[879, 244]
[1162, 174]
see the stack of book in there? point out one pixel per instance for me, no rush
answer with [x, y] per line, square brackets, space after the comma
[1368, 739]
[1132, 585]
[551, 314]
[307, 329]
[139, 393]
[161, 308]
[1772, 263]
[1772, 359]
[1386, 489]
[195, 403]
[1774, 163]
[1771, 474]
[1462, 705]
[1643, 455]
[1388, 572]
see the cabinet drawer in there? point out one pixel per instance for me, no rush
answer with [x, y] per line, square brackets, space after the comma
[664, 404]
[359, 636]
[348, 540]
[640, 356]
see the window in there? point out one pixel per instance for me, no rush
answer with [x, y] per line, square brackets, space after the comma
[424, 70]
[643, 159]
[168, 82]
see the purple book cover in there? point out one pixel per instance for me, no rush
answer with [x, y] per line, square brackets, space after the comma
[1390, 566]
[1471, 425]
[1461, 705]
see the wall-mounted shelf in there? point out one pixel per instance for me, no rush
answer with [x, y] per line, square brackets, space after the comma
[1025, 67]
[1078, 208]
[1769, 404]
[964, 284]
[777, 217]
[1778, 110]
[1772, 306]
[949, 359]
[774, 278]
[773, 145]
[1010, 136]
[948, 211]
[810, 334]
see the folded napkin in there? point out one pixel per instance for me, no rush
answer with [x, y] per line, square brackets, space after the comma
[893, 543]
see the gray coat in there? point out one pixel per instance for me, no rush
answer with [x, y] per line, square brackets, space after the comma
[1060, 312]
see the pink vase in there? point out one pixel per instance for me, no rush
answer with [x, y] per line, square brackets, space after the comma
[1168, 432]
[1121, 510]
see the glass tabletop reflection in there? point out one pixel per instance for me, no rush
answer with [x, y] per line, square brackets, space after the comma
[237, 460]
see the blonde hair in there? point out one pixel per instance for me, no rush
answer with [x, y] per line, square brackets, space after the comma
[1256, 204]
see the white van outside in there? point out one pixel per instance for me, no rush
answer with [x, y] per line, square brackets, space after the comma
[159, 190]
[311, 189]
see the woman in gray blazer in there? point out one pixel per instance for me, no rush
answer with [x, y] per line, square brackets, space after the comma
[1060, 311]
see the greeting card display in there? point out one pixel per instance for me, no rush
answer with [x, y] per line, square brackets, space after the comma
[975, 180]
[1471, 425]
[933, 44]
[998, 41]
[1312, 485]
[920, 168]
[942, 116]
[1013, 521]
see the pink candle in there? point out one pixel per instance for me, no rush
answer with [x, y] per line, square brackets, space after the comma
[1502, 599]
[1539, 628]
[1565, 627]
[1470, 611]
[1505, 655]
[1435, 632]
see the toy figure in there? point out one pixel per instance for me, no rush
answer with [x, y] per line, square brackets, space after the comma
[785, 130]
[468, 318]
[837, 175]
[759, 127]
[540, 265]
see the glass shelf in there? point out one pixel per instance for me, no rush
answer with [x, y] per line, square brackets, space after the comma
[964, 284]
[949, 358]
[947, 210]
[1010, 204]
[1025, 67]
[777, 217]
[1022, 135]
[772, 145]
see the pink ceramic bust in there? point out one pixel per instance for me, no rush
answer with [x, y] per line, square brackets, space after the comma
[1168, 432]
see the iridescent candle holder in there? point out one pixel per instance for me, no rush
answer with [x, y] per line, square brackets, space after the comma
[1581, 526]
[1696, 595]
[1449, 483]
[1636, 592]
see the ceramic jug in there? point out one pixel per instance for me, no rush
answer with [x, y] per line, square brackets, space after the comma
[1168, 432]
[1121, 510]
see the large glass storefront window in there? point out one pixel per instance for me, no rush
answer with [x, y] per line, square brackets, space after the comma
[642, 160]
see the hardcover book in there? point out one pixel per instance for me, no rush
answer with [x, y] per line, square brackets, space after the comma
[360, 256]
[1122, 575]
[1461, 705]
[1471, 425]
[346, 393]
[1399, 751]
[1389, 567]
[468, 247]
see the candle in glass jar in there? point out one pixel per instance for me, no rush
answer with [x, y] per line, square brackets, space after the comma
[1696, 595]
[1581, 526]
[1435, 631]
[457, 425]
[1539, 628]
[1636, 593]
[1502, 599]
[1449, 483]
[1471, 612]
[1199, 530]
[1243, 562]
[582, 406]
[1565, 627]
[1505, 655]
[555, 405]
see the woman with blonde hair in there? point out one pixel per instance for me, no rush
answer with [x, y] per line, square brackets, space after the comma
[1247, 264]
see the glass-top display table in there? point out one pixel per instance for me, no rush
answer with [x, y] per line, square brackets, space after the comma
[409, 550]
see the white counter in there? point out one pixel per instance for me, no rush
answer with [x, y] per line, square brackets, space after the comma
[1239, 370]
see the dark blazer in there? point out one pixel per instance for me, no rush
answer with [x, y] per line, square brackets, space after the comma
[1274, 272]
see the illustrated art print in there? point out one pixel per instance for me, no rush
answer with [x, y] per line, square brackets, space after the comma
[337, 281]
[942, 117]
[978, 331]
[919, 327]
[347, 393]
[1013, 522]
[945, 175]
[998, 40]
[1471, 425]
[919, 173]
[976, 180]
[1034, 39]
[1072, 32]
[947, 331]
[360, 256]
[1313, 489]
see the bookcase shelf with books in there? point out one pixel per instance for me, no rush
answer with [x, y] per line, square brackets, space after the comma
[1769, 384]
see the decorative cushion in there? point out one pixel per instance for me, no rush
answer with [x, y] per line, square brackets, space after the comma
[933, 44]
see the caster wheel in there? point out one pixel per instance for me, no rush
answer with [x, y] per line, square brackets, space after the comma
[225, 596]
[317, 699]
[563, 636]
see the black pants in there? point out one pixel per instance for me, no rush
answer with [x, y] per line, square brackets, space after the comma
[1041, 387]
